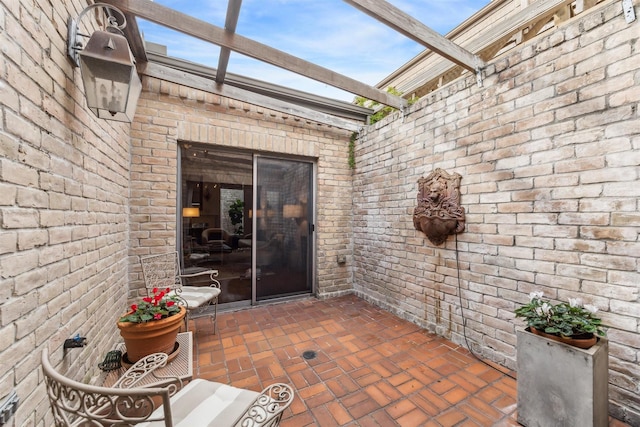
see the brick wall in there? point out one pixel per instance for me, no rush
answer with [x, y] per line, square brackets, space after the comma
[63, 209]
[548, 150]
[549, 153]
[168, 113]
[72, 226]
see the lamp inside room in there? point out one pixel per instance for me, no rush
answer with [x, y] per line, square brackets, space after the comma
[190, 212]
[292, 211]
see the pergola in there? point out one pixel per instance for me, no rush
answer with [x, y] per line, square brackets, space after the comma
[218, 82]
[454, 59]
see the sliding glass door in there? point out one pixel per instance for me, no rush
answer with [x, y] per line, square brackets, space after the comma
[249, 217]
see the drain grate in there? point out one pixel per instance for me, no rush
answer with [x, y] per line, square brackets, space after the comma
[310, 354]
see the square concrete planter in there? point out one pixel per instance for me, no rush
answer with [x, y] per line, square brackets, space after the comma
[562, 385]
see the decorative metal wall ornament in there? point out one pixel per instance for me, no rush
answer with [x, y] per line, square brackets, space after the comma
[439, 213]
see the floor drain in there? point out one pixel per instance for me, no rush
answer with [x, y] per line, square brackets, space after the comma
[309, 355]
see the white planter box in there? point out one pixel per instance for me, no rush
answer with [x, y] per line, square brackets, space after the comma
[562, 385]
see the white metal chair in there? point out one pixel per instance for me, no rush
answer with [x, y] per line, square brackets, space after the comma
[200, 403]
[164, 271]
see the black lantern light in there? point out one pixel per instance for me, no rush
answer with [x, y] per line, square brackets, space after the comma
[111, 82]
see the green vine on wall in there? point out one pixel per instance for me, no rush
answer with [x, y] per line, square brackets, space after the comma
[384, 111]
[375, 117]
[352, 150]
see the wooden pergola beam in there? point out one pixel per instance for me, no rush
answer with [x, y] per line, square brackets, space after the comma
[186, 24]
[184, 78]
[533, 16]
[230, 23]
[132, 33]
[417, 31]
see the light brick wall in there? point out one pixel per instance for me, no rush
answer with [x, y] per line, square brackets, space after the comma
[168, 113]
[64, 188]
[549, 153]
[548, 150]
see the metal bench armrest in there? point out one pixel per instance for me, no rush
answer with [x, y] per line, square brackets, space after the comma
[266, 410]
[142, 369]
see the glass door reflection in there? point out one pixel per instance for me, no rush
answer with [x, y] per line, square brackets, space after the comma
[249, 217]
[282, 228]
[216, 193]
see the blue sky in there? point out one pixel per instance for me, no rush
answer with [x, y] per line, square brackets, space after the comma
[329, 33]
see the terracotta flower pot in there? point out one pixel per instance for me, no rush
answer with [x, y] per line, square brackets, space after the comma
[156, 336]
[580, 342]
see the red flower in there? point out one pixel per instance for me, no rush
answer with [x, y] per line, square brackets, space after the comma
[155, 307]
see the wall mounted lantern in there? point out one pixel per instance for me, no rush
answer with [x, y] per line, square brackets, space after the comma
[109, 75]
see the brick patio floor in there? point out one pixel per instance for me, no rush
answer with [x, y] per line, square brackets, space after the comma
[371, 367]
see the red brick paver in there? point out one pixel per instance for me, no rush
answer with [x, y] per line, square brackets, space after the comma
[371, 368]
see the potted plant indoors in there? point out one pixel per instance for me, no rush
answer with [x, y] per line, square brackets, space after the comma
[570, 322]
[152, 325]
[235, 215]
[562, 364]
